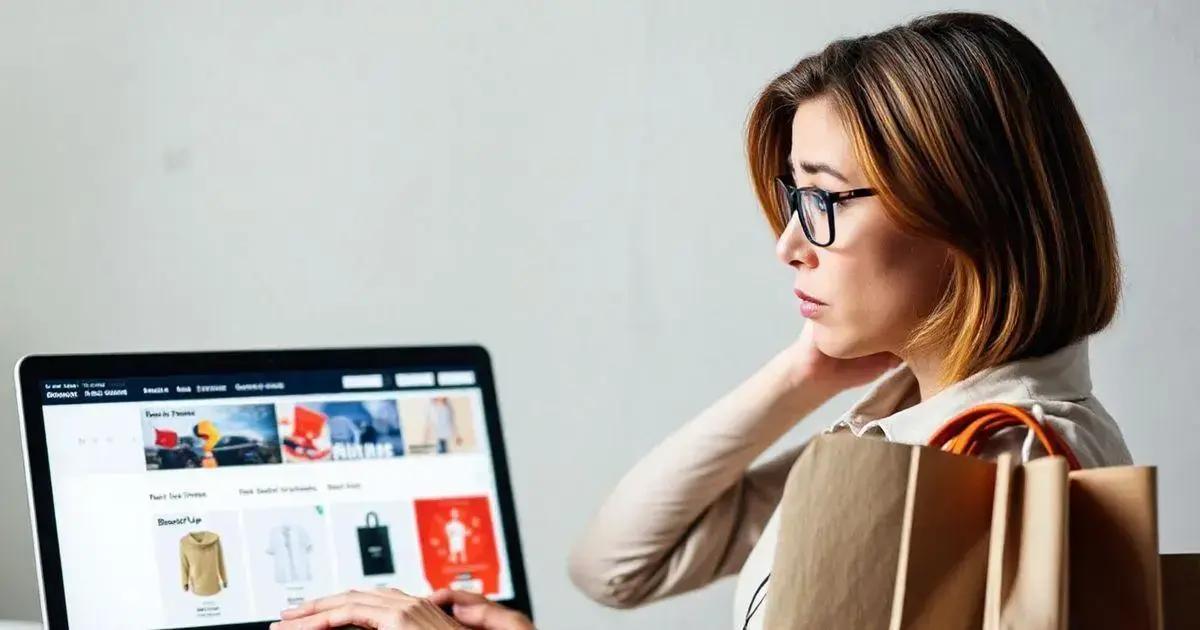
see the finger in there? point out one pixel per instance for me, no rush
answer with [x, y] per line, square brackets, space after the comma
[442, 597]
[450, 596]
[314, 606]
[350, 614]
[479, 615]
[487, 614]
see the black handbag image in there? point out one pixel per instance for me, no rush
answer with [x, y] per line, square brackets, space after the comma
[375, 547]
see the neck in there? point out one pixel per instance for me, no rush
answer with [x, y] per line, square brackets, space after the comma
[926, 366]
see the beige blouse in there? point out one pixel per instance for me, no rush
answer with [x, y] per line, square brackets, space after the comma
[694, 510]
[202, 563]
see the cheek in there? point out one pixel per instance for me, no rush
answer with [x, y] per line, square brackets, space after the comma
[890, 281]
[911, 274]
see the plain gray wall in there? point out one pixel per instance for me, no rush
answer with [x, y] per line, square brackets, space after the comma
[563, 182]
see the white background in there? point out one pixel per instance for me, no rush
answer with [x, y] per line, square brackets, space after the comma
[564, 182]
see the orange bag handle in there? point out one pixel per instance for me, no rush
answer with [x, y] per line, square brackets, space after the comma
[966, 433]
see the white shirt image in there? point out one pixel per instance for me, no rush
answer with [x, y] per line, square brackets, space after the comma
[290, 546]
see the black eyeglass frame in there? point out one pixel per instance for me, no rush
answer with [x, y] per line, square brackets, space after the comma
[828, 201]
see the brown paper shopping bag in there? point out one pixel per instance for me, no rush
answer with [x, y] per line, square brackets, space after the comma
[1028, 549]
[1074, 549]
[881, 535]
[1077, 549]
[1116, 581]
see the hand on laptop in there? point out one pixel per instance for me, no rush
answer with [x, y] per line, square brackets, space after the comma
[383, 609]
[480, 613]
[392, 609]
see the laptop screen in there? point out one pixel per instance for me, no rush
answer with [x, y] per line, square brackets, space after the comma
[219, 499]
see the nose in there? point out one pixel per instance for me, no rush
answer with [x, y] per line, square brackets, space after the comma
[793, 247]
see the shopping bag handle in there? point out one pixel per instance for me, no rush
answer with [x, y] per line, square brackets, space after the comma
[967, 432]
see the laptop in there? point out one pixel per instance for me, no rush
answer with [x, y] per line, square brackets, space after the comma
[215, 489]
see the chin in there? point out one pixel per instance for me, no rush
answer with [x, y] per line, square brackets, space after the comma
[840, 344]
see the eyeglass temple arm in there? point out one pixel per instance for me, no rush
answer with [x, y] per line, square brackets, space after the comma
[851, 194]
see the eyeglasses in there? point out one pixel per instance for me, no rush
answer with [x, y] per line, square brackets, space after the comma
[814, 207]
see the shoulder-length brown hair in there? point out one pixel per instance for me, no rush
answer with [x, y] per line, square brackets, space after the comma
[971, 138]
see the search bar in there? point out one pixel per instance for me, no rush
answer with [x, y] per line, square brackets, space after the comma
[414, 379]
[362, 381]
[449, 379]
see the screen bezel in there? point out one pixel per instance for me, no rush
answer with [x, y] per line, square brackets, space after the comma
[34, 369]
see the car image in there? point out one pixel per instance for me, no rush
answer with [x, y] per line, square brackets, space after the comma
[241, 450]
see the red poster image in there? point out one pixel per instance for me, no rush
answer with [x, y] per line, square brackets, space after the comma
[458, 544]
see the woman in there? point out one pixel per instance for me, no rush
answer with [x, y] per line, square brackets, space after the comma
[938, 199]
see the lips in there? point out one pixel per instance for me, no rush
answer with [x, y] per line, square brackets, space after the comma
[808, 298]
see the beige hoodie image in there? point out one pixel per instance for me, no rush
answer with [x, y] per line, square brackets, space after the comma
[202, 563]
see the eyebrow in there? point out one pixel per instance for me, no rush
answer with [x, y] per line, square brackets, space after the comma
[818, 167]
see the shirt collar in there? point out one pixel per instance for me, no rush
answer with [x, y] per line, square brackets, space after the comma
[893, 404]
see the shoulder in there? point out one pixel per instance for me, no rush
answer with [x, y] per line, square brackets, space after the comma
[1083, 424]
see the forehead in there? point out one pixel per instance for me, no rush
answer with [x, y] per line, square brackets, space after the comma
[818, 135]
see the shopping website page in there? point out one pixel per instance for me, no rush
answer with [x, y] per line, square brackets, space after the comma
[209, 500]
